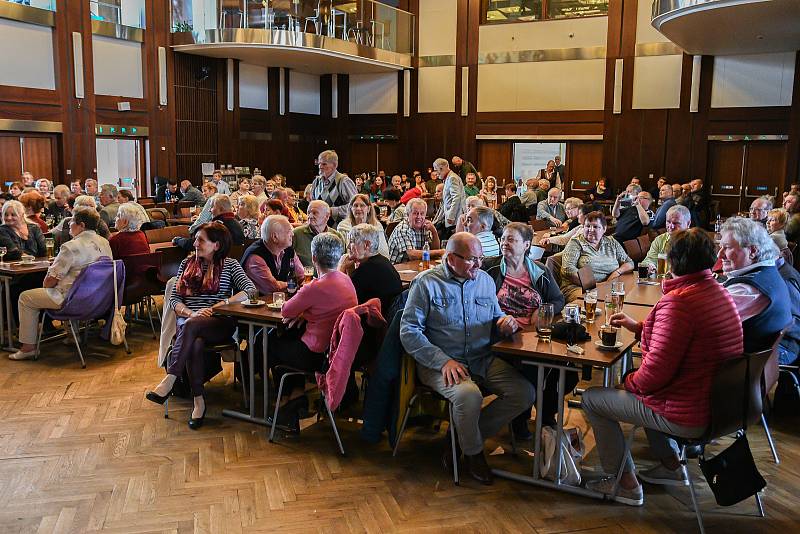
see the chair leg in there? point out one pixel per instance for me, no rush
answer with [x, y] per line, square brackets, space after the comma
[38, 339]
[278, 406]
[452, 429]
[759, 505]
[625, 453]
[410, 405]
[150, 316]
[333, 425]
[688, 476]
[166, 408]
[77, 343]
[769, 439]
[241, 376]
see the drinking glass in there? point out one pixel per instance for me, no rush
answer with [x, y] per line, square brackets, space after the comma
[661, 270]
[544, 324]
[50, 245]
[611, 307]
[618, 294]
[252, 296]
[308, 274]
[278, 298]
[3, 251]
[590, 305]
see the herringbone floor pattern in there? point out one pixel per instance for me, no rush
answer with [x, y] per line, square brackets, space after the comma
[83, 451]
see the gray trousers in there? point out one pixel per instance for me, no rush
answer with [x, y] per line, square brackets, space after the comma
[605, 408]
[514, 394]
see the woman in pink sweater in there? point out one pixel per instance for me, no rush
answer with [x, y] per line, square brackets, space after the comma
[316, 306]
[689, 332]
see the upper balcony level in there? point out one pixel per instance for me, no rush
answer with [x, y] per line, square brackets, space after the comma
[316, 36]
[725, 27]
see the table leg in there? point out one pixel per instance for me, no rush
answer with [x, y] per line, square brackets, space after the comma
[560, 423]
[537, 440]
[2, 319]
[265, 372]
[236, 414]
[10, 313]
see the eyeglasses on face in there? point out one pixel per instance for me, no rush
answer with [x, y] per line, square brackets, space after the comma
[471, 259]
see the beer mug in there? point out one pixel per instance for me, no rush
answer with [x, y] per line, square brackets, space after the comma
[590, 305]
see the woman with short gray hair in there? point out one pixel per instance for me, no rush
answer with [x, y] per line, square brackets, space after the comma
[373, 275]
[82, 202]
[319, 303]
[130, 239]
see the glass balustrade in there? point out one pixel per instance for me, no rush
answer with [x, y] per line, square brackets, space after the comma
[49, 5]
[122, 12]
[364, 22]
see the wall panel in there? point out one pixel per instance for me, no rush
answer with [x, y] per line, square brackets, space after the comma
[437, 90]
[253, 91]
[437, 24]
[117, 67]
[753, 80]
[657, 82]
[35, 66]
[373, 93]
[573, 33]
[304, 94]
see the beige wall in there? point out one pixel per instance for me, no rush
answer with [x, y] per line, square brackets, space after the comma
[253, 92]
[35, 67]
[373, 93]
[753, 80]
[117, 67]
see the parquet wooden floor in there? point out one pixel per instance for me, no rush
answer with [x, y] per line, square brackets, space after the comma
[83, 451]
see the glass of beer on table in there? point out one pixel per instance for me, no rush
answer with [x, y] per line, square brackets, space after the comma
[50, 245]
[308, 274]
[618, 294]
[661, 268]
[590, 305]
[544, 323]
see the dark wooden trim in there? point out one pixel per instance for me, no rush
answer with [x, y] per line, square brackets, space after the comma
[793, 153]
[589, 116]
[28, 95]
[779, 114]
[109, 103]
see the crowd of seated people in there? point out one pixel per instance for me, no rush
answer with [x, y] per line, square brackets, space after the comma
[486, 285]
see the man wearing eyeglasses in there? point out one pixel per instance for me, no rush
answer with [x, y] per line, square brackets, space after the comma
[759, 209]
[447, 328]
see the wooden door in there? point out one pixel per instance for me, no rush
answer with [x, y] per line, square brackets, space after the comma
[725, 180]
[10, 159]
[38, 157]
[583, 165]
[764, 170]
[495, 159]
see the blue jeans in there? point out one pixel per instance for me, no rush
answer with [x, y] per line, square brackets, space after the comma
[786, 357]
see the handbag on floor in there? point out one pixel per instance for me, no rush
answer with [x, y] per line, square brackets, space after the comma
[732, 474]
[573, 450]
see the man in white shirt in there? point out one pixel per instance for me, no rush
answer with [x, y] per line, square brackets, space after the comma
[479, 222]
[222, 186]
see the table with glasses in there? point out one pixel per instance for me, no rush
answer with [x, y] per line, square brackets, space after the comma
[261, 317]
[636, 293]
[527, 348]
[9, 271]
[409, 270]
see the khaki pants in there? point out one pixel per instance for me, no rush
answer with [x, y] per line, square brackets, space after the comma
[30, 303]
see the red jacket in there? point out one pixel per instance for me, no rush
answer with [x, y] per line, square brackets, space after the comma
[346, 338]
[689, 332]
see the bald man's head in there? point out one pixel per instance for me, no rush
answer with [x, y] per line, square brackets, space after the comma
[464, 255]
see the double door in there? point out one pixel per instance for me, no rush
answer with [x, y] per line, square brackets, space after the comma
[741, 171]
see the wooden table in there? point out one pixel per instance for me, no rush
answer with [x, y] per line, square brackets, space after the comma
[409, 270]
[180, 220]
[635, 293]
[528, 349]
[8, 271]
[261, 317]
[157, 246]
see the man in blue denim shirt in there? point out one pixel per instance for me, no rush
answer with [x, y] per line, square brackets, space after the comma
[446, 327]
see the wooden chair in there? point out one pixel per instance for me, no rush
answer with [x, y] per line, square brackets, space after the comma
[166, 234]
[634, 250]
[644, 243]
[390, 228]
[586, 278]
[171, 258]
[539, 225]
[158, 214]
[553, 264]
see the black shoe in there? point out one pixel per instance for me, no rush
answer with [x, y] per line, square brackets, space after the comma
[194, 424]
[152, 396]
[479, 468]
[519, 425]
[289, 425]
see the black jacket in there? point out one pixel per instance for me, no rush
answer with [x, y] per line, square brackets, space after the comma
[230, 222]
[513, 210]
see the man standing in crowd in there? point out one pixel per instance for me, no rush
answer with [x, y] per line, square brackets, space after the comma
[318, 214]
[698, 203]
[452, 348]
[332, 187]
[108, 199]
[655, 192]
[410, 235]
[634, 215]
[222, 186]
[549, 173]
[551, 209]
[558, 167]
[666, 202]
[191, 194]
[513, 209]
[452, 199]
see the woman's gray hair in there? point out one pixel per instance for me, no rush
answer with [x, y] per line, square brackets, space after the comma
[750, 233]
[86, 202]
[366, 232]
[130, 213]
[16, 206]
[327, 248]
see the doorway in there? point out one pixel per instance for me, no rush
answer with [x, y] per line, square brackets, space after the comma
[741, 171]
[37, 154]
[120, 163]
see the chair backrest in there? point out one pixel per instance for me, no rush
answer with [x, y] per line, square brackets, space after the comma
[146, 202]
[91, 295]
[738, 383]
[158, 214]
[171, 258]
[141, 276]
[165, 235]
[237, 251]
[586, 278]
[644, 243]
[634, 250]
[553, 264]
[390, 228]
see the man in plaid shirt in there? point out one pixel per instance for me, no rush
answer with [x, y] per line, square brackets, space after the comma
[409, 236]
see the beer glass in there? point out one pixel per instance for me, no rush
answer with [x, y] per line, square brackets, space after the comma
[544, 324]
[618, 294]
[278, 298]
[50, 245]
[661, 268]
[308, 274]
[590, 305]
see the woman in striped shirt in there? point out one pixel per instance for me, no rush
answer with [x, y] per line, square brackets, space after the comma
[205, 280]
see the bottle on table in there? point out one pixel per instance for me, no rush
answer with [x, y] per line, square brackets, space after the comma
[426, 256]
[291, 287]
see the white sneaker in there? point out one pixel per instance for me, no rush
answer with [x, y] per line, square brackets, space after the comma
[631, 497]
[20, 355]
[658, 474]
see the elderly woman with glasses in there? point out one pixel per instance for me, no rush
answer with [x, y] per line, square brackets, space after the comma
[362, 211]
[606, 257]
[310, 317]
[247, 213]
[373, 275]
[129, 239]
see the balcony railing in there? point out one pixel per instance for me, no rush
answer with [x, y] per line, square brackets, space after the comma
[49, 5]
[364, 22]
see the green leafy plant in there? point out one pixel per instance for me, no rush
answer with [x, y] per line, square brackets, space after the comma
[183, 26]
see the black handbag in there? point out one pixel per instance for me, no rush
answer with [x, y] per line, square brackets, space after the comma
[732, 474]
